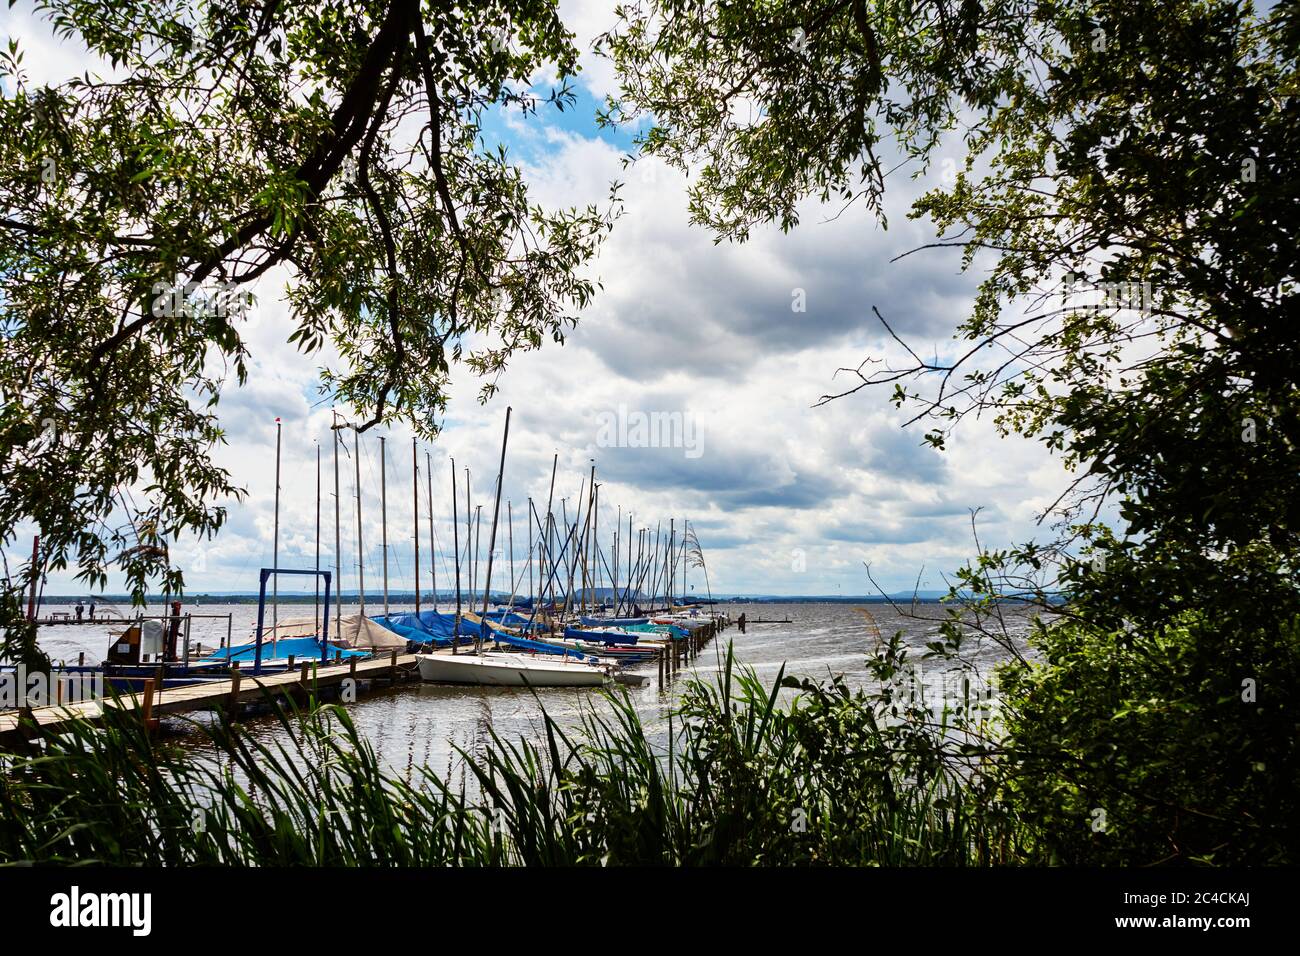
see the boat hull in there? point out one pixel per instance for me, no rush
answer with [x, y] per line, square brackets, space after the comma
[495, 672]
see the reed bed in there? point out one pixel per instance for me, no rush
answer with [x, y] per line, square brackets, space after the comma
[742, 780]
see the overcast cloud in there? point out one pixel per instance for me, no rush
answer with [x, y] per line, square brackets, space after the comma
[786, 498]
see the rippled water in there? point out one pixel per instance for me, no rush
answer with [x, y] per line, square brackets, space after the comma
[415, 724]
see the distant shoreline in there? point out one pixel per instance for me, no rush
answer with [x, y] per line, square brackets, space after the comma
[408, 597]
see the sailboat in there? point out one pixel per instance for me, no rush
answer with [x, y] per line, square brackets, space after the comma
[496, 668]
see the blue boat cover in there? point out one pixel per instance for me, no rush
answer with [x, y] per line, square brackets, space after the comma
[404, 628]
[429, 627]
[613, 621]
[668, 630]
[540, 647]
[302, 648]
[600, 637]
[511, 619]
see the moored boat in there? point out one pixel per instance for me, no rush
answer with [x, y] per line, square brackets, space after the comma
[508, 670]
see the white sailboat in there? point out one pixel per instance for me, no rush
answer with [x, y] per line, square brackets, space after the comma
[508, 670]
[496, 668]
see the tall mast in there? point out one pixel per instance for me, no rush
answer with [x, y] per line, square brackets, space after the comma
[591, 505]
[478, 550]
[570, 562]
[469, 537]
[338, 535]
[275, 553]
[496, 511]
[510, 513]
[672, 561]
[546, 532]
[383, 513]
[361, 556]
[595, 543]
[531, 598]
[455, 530]
[316, 579]
[415, 519]
[433, 541]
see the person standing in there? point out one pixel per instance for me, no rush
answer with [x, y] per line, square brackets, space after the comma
[80, 610]
[741, 622]
[92, 610]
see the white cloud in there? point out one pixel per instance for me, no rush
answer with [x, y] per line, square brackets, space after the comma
[681, 325]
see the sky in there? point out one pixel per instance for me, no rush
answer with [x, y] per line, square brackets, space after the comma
[784, 497]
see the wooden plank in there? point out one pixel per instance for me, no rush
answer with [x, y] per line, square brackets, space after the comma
[211, 694]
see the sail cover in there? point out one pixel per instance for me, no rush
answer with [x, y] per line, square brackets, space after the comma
[361, 633]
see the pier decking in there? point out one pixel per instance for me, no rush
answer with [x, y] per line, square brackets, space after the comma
[227, 694]
[240, 689]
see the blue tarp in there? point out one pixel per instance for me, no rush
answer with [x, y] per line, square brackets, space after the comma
[511, 619]
[599, 637]
[613, 621]
[408, 629]
[430, 627]
[667, 630]
[538, 646]
[302, 648]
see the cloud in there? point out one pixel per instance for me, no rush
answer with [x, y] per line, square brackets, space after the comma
[785, 497]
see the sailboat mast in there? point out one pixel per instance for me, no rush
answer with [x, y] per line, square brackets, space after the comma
[316, 579]
[586, 538]
[361, 556]
[275, 553]
[383, 513]
[469, 538]
[496, 512]
[510, 513]
[478, 552]
[672, 567]
[595, 541]
[546, 532]
[415, 518]
[455, 530]
[338, 534]
[433, 541]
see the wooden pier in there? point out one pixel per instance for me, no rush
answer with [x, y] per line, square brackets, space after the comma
[230, 694]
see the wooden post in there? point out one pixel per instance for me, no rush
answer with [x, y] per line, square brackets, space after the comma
[147, 709]
[352, 667]
[302, 677]
[392, 667]
[291, 662]
[31, 592]
[232, 707]
[81, 659]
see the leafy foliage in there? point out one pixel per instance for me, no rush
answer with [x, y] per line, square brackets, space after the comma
[824, 779]
[1129, 194]
[338, 142]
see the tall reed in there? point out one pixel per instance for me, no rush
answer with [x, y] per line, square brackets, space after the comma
[738, 779]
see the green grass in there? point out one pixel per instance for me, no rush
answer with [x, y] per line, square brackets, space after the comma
[744, 780]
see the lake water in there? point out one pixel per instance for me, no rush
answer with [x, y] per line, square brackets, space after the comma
[417, 724]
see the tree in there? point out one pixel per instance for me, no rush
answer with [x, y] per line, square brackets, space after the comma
[1130, 193]
[338, 141]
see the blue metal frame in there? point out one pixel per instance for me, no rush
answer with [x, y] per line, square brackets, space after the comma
[261, 614]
